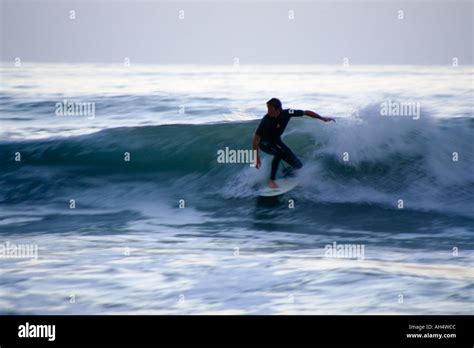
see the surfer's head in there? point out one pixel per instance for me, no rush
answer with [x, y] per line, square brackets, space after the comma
[274, 107]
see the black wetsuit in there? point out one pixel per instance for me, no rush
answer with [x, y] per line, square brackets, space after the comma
[270, 130]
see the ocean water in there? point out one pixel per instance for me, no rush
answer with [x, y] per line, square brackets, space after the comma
[172, 231]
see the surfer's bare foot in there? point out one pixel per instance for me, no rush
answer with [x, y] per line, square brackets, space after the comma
[272, 184]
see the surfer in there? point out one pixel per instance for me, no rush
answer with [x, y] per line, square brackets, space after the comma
[268, 136]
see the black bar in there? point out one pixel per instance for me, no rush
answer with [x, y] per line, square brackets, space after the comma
[224, 330]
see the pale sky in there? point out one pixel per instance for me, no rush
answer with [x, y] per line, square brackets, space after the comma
[212, 32]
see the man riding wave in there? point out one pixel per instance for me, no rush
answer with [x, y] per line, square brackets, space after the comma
[267, 137]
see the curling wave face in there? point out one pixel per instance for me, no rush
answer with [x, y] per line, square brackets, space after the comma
[426, 163]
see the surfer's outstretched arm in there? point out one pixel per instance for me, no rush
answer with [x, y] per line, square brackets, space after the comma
[255, 146]
[319, 117]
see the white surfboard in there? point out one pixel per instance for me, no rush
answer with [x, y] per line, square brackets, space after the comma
[284, 185]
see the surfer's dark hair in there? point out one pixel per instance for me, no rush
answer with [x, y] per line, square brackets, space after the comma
[275, 102]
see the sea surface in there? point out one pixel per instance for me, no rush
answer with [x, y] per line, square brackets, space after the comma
[173, 231]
